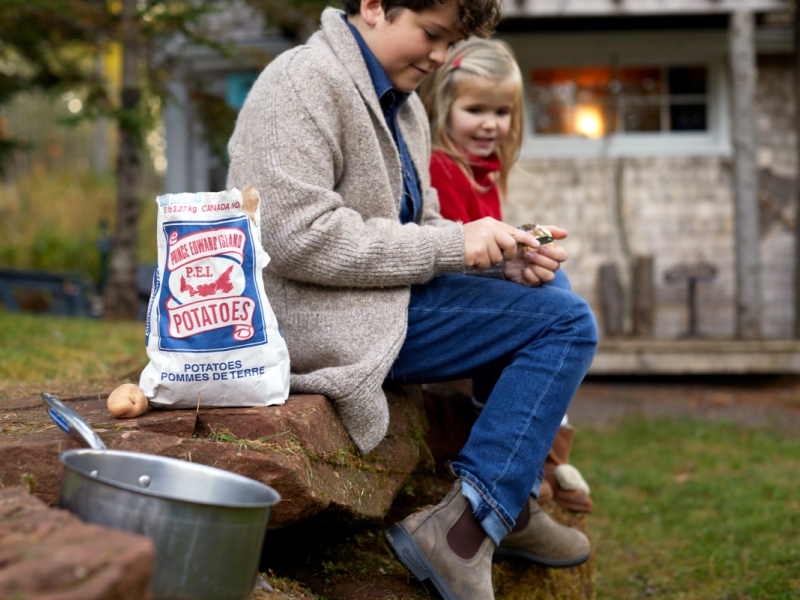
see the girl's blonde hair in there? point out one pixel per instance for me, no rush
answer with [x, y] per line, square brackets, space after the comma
[474, 59]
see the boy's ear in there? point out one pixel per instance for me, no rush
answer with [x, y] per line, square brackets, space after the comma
[372, 11]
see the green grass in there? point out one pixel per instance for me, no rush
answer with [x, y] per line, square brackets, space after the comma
[693, 509]
[67, 355]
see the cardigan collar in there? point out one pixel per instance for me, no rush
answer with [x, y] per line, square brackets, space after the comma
[334, 36]
[341, 41]
[390, 99]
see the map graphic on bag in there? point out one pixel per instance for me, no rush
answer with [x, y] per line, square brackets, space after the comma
[212, 337]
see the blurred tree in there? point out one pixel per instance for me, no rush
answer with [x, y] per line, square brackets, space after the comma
[53, 45]
[39, 48]
[296, 18]
[121, 295]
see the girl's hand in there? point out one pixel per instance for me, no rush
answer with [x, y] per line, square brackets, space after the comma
[488, 241]
[537, 267]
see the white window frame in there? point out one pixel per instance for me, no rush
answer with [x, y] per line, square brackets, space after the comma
[665, 48]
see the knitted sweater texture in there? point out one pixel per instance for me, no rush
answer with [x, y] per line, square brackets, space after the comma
[312, 139]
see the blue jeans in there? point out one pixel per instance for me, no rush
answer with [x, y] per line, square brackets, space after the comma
[527, 351]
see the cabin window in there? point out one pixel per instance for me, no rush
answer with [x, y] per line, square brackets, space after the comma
[593, 101]
[624, 93]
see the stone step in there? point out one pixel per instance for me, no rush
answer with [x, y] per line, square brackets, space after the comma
[300, 448]
[49, 553]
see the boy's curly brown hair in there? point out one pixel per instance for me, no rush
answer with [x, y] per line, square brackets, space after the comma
[475, 17]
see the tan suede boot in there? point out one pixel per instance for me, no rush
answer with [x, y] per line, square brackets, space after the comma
[565, 492]
[423, 543]
[544, 542]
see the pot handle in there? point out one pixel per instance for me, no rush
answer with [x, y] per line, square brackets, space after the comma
[71, 422]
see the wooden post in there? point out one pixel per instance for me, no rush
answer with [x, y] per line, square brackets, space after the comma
[643, 297]
[612, 299]
[797, 129]
[745, 174]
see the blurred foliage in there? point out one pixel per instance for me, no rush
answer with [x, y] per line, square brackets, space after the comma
[54, 45]
[39, 48]
[84, 49]
[295, 18]
[218, 121]
[62, 49]
[52, 218]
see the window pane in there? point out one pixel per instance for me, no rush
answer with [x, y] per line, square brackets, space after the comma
[640, 81]
[687, 80]
[593, 78]
[552, 119]
[688, 114]
[641, 117]
[590, 116]
[551, 76]
[570, 101]
[688, 117]
[639, 103]
[591, 101]
[589, 120]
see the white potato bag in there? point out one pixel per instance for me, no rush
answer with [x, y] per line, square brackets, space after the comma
[212, 338]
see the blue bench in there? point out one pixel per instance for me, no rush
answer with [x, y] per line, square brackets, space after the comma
[51, 292]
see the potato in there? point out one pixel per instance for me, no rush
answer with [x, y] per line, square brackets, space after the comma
[250, 200]
[127, 401]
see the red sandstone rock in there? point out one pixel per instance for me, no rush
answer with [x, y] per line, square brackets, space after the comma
[31, 459]
[46, 553]
[300, 448]
[307, 417]
[26, 402]
[180, 423]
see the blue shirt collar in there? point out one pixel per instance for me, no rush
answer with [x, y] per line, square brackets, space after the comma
[391, 99]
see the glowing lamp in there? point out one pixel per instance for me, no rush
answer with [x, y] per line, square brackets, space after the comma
[589, 122]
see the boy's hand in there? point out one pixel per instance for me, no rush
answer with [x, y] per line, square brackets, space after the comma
[534, 268]
[488, 241]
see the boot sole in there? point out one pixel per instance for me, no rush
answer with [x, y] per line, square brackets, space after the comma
[413, 559]
[550, 563]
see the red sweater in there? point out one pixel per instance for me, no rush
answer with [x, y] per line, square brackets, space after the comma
[459, 199]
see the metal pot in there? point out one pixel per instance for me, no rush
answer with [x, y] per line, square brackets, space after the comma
[208, 525]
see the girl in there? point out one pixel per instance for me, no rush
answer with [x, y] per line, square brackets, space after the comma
[474, 103]
[475, 106]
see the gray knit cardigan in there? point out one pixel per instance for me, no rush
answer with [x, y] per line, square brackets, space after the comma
[311, 137]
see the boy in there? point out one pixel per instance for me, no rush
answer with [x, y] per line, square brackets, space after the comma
[367, 279]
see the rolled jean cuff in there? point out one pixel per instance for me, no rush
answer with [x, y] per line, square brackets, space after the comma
[494, 520]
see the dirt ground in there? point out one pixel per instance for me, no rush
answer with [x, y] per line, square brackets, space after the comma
[752, 400]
